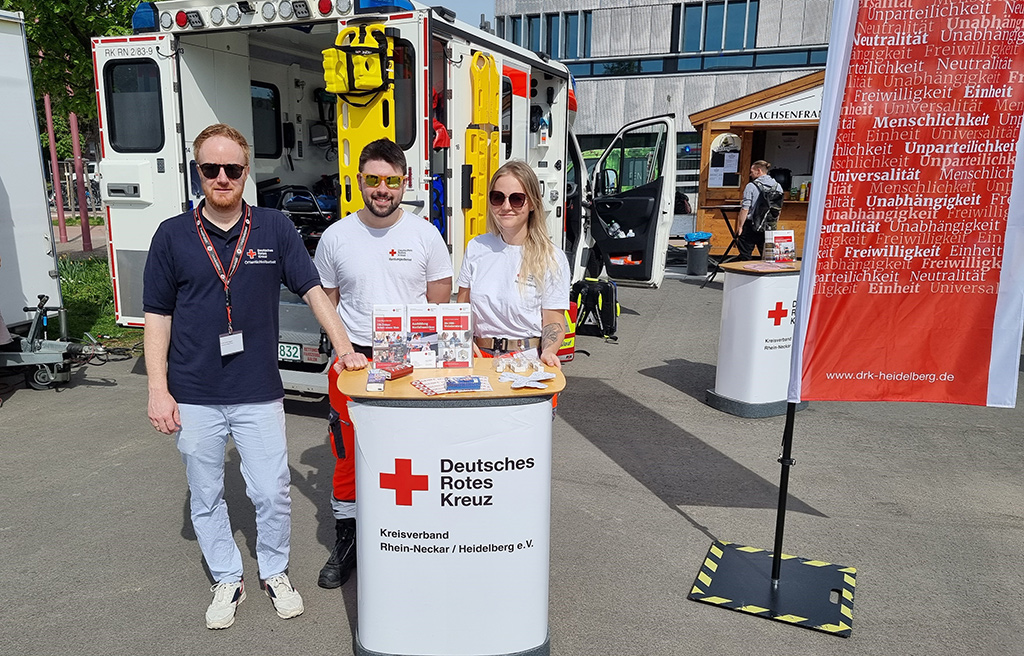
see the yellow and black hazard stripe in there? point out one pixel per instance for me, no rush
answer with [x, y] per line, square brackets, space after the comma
[738, 577]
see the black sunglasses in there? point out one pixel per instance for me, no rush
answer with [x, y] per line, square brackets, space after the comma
[516, 200]
[211, 171]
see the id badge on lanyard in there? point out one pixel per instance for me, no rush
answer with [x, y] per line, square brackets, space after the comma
[231, 341]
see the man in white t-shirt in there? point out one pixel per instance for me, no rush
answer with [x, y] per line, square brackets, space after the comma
[380, 254]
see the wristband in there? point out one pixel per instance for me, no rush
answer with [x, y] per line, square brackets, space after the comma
[344, 354]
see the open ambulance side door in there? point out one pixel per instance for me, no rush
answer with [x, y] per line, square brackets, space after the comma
[141, 175]
[633, 194]
[578, 240]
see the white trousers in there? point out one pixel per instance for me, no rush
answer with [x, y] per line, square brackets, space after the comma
[259, 434]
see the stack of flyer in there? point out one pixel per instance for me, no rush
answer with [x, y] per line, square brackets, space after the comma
[455, 343]
[779, 246]
[425, 336]
[389, 334]
[422, 341]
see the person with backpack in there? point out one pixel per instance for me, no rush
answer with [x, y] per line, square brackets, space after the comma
[762, 201]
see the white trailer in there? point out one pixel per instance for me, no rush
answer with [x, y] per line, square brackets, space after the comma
[258, 67]
[28, 261]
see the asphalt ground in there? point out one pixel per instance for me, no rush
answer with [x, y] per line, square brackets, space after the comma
[99, 557]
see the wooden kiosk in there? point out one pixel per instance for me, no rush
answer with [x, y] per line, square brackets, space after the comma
[454, 516]
[779, 125]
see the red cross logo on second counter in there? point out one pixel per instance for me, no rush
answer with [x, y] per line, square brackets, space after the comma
[778, 314]
[251, 253]
[392, 252]
[403, 482]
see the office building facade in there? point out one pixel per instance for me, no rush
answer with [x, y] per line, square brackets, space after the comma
[638, 58]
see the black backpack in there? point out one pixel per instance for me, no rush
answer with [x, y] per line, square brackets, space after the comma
[765, 213]
[597, 307]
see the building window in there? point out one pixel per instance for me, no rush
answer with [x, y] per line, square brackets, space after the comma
[551, 36]
[677, 20]
[586, 33]
[499, 26]
[692, 16]
[714, 25]
[572, 36]
[813, 57]
[515, 30]
[533, 33]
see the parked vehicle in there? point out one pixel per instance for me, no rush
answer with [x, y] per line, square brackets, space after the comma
[27, 253]
[191, 64]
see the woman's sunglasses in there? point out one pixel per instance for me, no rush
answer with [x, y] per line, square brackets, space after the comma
[211, 171]
[516, 200]
[390, 181]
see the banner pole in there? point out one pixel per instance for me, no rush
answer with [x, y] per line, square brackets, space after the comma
[786, 461]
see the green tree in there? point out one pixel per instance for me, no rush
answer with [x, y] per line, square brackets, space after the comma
[62, 135]
[60, 53]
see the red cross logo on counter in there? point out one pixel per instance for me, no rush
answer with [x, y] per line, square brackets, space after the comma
[251, 253]
[392, 252]
[403, 482]
[778, 314]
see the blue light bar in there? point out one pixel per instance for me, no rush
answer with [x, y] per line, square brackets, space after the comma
[382, 6]
[145, 18]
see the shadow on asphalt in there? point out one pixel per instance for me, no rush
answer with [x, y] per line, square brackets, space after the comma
[679, 468]
[697, 281]
[691, 378]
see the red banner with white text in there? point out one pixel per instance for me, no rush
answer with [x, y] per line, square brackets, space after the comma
[912, 286]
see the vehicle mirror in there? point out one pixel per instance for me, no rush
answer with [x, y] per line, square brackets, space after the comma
[609, 181]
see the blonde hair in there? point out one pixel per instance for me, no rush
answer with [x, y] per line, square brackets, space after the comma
[539, 254]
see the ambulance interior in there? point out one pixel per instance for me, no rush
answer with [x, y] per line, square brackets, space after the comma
[277, 100]
[280, 105]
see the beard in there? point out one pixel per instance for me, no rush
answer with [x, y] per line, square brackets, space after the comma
[377, 211]
[222, 202]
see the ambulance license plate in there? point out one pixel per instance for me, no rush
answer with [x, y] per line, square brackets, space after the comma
[289, 352]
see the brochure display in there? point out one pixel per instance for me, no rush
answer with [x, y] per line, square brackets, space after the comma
[756, 338]
[454, 504]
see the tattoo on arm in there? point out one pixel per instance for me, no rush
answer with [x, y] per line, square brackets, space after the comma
[552, 333]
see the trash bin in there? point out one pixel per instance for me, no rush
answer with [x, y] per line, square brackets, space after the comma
[697, 247]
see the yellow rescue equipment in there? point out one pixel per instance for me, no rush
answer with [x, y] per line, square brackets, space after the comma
[483, 141]
[360, 70]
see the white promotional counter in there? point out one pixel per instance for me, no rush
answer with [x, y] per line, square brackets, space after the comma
[756, 338]
[453, 516]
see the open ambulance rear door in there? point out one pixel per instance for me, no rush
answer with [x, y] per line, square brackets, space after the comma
[141, 167]
[633, 194]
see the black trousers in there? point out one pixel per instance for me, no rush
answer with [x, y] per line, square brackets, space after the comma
[749, 238]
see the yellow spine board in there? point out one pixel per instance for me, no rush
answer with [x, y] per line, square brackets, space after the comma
[483, 139]
[477, 158]
[349, 76]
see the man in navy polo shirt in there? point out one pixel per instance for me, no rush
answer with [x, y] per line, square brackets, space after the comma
[211, 291]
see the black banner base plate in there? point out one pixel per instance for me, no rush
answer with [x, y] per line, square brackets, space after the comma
[810, 593]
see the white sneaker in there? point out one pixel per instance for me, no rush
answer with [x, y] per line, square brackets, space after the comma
[287, 600]
[226, 597]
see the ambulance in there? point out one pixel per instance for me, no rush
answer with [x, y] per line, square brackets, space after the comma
[458, 100]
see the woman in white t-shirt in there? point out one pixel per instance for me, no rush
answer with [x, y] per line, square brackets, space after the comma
[514, 278]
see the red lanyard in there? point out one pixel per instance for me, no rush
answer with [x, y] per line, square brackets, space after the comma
[236, 258]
